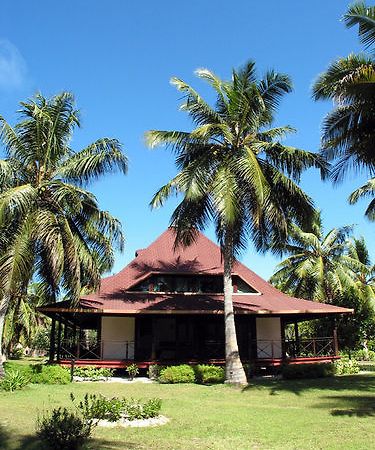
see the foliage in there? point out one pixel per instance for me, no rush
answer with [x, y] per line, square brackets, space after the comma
[154, 371]
[51, 227]
[112, 409]
[62, 429]
[93, 373]
[233, 170]
[24, 323]
[41, 339]
[49, 374]
[99, 407]
[132, 371]
[348, 130]
[14, 380]
[297, 371]
[346, 366]
[207, 374]
[323, 267]
[364, 355]
[177, 374]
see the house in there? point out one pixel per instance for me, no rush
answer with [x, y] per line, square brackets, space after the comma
[166, 306]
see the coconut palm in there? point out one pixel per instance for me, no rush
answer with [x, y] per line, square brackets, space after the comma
[234, 171]
[51, 227]
[23, 321]
[348, 130]
[323, 267]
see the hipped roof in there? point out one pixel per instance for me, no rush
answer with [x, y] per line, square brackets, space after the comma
[202, 257]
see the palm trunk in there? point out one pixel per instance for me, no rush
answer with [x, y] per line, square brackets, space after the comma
[234, 371]
[3, 310]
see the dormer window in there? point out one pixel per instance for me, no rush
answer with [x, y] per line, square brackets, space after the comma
[195, 284]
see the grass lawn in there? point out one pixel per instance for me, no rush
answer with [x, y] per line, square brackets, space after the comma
[336, 413]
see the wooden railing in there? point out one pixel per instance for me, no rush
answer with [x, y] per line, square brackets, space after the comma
[86, 349]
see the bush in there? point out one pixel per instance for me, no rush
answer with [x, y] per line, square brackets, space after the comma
[154, 371]
[112, 409]
[132, 370]
[177, 374]
[14, 380]
[300, 371]
[99, 407]
[62, 429]
[346, 366]
[49, 374]
[207, 374]
[93, 373]
[363, 355]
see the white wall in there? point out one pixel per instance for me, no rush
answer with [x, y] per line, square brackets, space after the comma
[116, 331]
[268, 329]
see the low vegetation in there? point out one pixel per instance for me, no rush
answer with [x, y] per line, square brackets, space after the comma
[334, 413]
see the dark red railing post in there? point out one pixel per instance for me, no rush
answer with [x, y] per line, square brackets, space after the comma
[314, 347]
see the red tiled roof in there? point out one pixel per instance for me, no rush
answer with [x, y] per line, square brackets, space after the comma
[202, 257]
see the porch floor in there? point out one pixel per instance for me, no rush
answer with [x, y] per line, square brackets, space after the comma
[121, 363]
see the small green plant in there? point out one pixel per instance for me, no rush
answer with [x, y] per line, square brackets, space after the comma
[133, 409]
[300, 371]
[132, 371]
[99, 407]
[346, 366]
[14, 380]
[93, 373]
[177, 374]
[207, 374]
[62, 429]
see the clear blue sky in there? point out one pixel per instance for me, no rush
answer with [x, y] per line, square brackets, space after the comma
[117, 58]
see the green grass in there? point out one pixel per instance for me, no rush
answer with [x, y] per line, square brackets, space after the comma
[326, 413]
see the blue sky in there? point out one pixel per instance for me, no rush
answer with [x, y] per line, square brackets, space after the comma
[117, 58]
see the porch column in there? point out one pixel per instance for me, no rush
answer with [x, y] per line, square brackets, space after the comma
[52, 341]
[59, 340]
[335, 340]
[296, 336]
[283, 349]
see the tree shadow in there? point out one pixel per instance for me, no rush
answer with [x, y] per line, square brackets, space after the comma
[5, 438]
[298, 387]
[349, 405]
[104, 444]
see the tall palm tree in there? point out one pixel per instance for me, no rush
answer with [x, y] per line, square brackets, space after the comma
[348, 130]
[23, 321]
[51, 227]
[234, 171]
[322, 267]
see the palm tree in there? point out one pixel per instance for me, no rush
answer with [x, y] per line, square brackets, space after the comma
[322, 267]
[234, 171]
[51, 227]
[23, 321]
[348, 130]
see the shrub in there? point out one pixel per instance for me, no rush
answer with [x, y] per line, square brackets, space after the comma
[299, 371]
[207, 374]
[99, 407]
[62, 429]
[95, 407]
[154, 371]
[14, 380]
[177, 374]
[48, 374]
[132, 370]
[363, 355]
[93, 373]
[346, 366]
